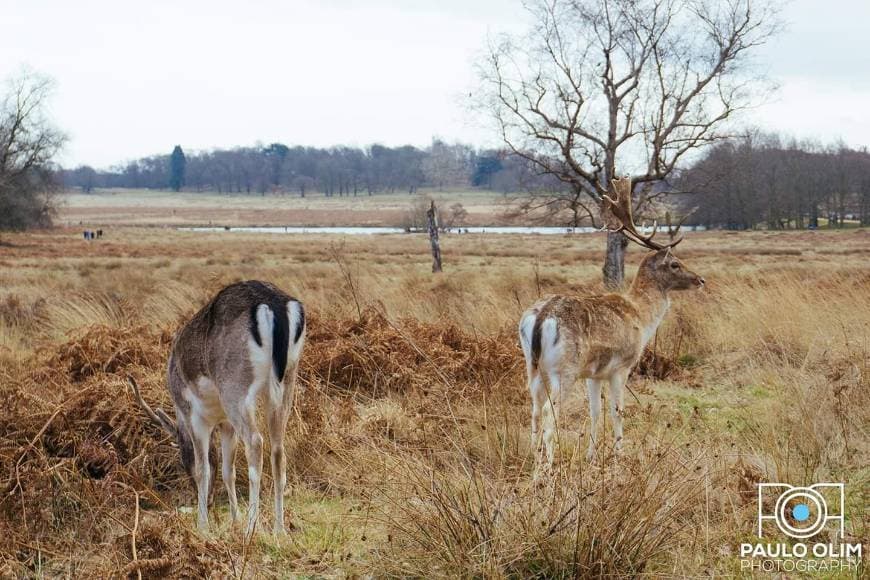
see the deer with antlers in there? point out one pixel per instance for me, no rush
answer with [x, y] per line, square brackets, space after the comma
[242, 345]
[598, 338]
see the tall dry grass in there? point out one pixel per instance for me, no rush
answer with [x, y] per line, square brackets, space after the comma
[410, 448]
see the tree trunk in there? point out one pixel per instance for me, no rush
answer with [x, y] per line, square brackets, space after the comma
[432, 218]
[865, 208]
[614, 261]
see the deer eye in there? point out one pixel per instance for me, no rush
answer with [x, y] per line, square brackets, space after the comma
[675, 266]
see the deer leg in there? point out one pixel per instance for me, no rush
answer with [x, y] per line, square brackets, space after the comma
[254, 455]
[279, 412]
[552, 405]
[593, 390]
[246, 428]
[617, 405]
[201, 435]
[228, 467]
[539, 397]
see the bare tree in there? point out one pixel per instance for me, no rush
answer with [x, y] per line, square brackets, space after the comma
[416, 217]
[432, 219]
[447, 165]
[28, 143]
[630, 86]
[456, 216]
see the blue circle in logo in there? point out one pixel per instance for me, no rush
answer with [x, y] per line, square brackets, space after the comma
[801, 512]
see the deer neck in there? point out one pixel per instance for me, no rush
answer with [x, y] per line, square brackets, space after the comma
[652, 304]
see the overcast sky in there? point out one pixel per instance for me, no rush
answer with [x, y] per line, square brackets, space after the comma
[135, 79]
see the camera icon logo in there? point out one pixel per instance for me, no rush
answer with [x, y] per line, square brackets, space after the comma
[802, 512]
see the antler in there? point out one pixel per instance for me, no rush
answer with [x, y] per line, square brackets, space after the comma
[617, 216]
[159, 416]
[674, 230]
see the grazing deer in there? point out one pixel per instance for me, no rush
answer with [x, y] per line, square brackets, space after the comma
[245, 343]
[599, 338]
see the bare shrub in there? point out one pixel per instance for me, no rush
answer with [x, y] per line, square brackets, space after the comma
[587, 522]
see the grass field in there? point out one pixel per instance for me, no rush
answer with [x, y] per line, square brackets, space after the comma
[113, 207]
[409, 448]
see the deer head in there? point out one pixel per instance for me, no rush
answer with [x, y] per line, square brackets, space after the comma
[179, 433]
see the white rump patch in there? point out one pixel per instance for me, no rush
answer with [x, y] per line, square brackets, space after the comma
[261, 355]
[551, 353]
[294, 314]
[527, 326]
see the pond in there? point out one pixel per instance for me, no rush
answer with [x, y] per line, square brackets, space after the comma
[372, 230]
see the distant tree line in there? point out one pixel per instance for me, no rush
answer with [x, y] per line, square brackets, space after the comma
[757, 180]
[334, 171]
[765, 180]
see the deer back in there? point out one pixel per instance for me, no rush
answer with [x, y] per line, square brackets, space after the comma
[216, 339]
